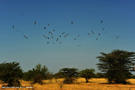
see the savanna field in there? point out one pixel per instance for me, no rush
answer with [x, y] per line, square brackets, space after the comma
[79, 84]
[67, 44]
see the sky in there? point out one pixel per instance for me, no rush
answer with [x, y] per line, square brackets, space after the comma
[117, 17]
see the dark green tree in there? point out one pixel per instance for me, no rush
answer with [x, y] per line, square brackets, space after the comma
[10, 73]
[116, 65]
[58, 75]
[69, 74]
[100, 75]
[87, 74]
[37, 74]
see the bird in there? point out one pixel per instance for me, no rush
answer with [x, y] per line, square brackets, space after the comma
[72, 22]
[44, 27]
[99, 34]
[63, 33]
[50, 33]
[13, 26]
[97, 38]
[92, 32]
[57, 39]
[88, 34]
[117, 37]
[101, 21]
[35, 22]
[60, 36]
[66, 35]
[75, 39]
[26, 37]
[103, 29]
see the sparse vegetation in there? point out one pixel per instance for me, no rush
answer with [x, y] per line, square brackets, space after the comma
[87, 74]
[37, 74]
[114, 66]
[10, 73]
[69, 74]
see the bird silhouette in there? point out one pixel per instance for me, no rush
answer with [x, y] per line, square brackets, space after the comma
[99, 34]
[66, 35]
[71, 22]
[97, 38]
[117, 37]
[26, 37]
[44, 27]
[13, 26]
[103, 29]
[63, 33]
[88, 34]
[101, 21]
[57, 39]
[35, 22]
[92, 32]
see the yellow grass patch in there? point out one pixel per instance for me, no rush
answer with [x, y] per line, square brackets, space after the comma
[95, 84]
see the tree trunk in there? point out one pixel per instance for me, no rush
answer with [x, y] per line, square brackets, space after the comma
[87, 80]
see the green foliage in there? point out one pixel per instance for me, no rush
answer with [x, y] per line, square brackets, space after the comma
[69, 74]
[87, 74]
[100, 75]
[28, 75]
[58, 75]
[37, 74]
[116, 65]
[10, 73]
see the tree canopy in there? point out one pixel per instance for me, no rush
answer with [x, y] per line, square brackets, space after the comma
[69, 74]
[37, 74]
[87, 74]
[116, 65]
[10, 73]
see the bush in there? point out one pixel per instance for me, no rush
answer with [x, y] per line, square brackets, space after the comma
[10, 73]
[87, 74]
[37, 74]
[69, 74]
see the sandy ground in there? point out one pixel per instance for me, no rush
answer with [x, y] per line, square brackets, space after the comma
[94, 84]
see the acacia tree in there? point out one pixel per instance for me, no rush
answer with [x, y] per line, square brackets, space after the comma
[10, 73]
[37, 74]
[87, 74]
[69, 74]
[116, 65]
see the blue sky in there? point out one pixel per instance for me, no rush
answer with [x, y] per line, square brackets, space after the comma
[118, 20]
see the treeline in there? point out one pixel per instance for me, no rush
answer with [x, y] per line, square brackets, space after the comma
[116, 66]
[11, 73]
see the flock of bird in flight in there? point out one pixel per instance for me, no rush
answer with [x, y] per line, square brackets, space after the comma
[52, 37]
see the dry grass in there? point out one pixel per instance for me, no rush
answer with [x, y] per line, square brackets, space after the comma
[95, 84]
